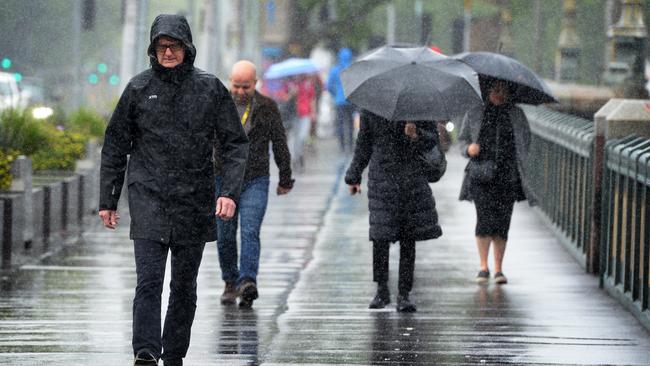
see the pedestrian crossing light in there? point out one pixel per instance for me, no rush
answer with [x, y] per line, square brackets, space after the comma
[6, 63]
[102, 68]
[114, 80]
[93, 79]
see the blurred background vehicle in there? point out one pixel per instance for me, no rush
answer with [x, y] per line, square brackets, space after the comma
[9, 92]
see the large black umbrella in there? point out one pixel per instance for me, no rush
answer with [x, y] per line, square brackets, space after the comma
[410, 84]
[530, 88]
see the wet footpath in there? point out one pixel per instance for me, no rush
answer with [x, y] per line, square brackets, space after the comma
[315, 283]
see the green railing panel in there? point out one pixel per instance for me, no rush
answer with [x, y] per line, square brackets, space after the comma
[626, 219]
[561, 171]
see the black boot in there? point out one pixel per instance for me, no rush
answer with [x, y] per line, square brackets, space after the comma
[404, 305]
[382, 297]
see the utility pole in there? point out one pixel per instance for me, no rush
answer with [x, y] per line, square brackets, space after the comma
[250, 31]
[390, 23]
[207, 59]
[467, 25]
[191, 9]
[76, 54]
[417, 9]
[537, 36]
[127, 64]
[141, 58]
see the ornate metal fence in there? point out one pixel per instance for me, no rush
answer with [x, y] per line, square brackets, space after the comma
[625, 233]
[561, 172]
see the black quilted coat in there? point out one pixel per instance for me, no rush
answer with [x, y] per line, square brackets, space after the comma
[401, 203]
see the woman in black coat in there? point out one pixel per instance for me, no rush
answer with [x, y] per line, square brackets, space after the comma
[401, 203]
[498, 132]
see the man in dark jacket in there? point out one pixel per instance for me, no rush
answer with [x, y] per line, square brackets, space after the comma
[168, 120]
[263, 125]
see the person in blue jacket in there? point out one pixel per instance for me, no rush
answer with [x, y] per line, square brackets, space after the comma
[344, 109]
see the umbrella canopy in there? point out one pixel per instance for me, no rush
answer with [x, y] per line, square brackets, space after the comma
[530, 88]
[410, 84]
[291, 67]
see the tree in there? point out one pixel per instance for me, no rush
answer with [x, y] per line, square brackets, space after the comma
[338, 23]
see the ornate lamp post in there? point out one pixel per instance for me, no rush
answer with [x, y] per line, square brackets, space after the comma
[626, 51]
[567, 55]
[506, 43]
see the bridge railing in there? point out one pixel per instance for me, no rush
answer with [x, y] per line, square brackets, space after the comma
[625, 231]
[560, 172]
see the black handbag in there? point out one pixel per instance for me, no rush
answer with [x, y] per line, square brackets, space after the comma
[435, 164]
[483, 171]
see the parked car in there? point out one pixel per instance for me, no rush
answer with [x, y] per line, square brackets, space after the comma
[9, 92]
[32, 92]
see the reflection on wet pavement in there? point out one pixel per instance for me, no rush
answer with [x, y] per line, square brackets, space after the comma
[315, 284]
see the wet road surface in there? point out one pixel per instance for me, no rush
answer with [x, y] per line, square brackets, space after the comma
[315, 283]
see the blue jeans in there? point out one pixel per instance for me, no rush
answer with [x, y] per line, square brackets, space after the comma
[345, 127]
[250, 211]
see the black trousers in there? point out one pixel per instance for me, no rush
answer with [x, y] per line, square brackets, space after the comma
[380, 255]
[150, 260]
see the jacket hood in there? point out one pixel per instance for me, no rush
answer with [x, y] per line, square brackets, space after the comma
[174, 26]
[345, 57]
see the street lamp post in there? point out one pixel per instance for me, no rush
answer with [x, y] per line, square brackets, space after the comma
[467, 24]
[506, 42]
[567, 55]
[76, 52]
[626, 51]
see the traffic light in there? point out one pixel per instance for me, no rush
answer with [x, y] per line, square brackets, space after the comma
[6, 63]
[93, 79]
[102, 68]
[18, 76]
[114, 80]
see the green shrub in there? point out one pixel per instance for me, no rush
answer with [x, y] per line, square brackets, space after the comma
[6, 158]
[20, 132]
[87, 122]
[63, 150]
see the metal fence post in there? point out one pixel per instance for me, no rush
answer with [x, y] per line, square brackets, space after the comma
[595, 259]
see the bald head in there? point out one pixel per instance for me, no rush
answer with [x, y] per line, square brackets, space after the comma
[243, 77]
[244, 69]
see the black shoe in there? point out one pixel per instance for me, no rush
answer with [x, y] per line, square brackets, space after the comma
[483, 277]
[247, 293]
[404, 305]
[381, 299]
[500, 278]
[174, 362]
[145, 358]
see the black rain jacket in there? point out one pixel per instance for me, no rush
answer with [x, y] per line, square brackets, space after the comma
[168, 121]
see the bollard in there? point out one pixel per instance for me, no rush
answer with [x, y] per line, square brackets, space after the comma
[6, 238]
[21, 171]
[37, 247]
[13, 246]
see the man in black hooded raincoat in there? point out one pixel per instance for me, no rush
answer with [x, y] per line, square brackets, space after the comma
[168, 119]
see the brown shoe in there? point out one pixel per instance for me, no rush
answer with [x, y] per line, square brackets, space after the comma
[229, 296]
[248, 293]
